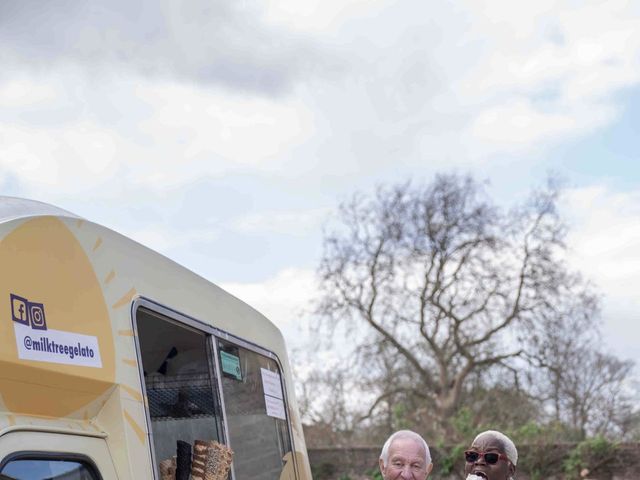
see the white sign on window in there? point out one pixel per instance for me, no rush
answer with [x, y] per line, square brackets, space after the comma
[271, 383]
[273, 397]
[275, 407]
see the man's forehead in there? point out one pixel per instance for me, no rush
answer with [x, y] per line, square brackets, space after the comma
[407, 445]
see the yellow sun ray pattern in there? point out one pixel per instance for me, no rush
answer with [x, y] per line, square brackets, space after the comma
[139, 431]
[126, 333]
[130, 362]
[131, 391]
[12, 420]
[80, 222]
[97, 244]
[110, 277]
[125, 300]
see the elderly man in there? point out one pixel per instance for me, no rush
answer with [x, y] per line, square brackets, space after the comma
[491, 456]
[405, 456]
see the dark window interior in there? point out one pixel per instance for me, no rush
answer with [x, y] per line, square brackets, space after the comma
[179, 380]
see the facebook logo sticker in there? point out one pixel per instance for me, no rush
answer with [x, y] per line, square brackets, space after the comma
[28, 313]
[19, 310]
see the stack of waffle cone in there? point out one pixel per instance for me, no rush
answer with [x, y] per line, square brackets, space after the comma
[168, 469]
[198, 464]
[211, 461]
[219, 460]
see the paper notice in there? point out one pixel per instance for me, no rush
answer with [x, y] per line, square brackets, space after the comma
[275, 407]
[271, 383]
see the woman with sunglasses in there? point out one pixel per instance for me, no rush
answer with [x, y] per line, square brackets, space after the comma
[492, 456]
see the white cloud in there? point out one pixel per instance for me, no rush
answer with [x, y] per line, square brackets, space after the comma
[479, 80]
[284, 298]
[287, 222]
[529, 46]
[605, 239]
[407, 84]
[316, 15]
[24, 91]
[216, 124]
[543, 70]
[216, 43]
[604, 245]
[520, 124]
[162, 239]
[184, 133]
[72, 158]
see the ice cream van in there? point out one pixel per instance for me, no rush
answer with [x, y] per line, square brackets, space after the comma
[113, 358]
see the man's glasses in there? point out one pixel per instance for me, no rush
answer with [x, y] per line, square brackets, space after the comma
[490, 457]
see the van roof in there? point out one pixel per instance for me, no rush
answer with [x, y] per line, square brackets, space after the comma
[14, 207]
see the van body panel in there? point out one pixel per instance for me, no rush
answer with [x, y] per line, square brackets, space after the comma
[58, 446]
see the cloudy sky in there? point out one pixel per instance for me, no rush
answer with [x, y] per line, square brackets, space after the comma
[223, 133]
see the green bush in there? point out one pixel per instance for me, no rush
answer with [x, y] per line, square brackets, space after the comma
[375, 474]
[448, 462]
[323, 471]
[591, 454]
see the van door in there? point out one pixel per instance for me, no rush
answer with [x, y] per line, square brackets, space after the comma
[27, 455]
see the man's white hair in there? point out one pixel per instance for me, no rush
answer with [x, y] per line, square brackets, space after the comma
[509, 447]
[384, 455]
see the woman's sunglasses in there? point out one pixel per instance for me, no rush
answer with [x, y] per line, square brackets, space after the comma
[490, 457]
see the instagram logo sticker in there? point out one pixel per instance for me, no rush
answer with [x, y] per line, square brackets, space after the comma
[28, 313]
[36, 314]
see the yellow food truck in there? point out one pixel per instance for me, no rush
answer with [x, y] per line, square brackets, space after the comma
[114, 357]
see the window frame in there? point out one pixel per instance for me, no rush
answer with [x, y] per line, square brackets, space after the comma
[213, 334]
[56, 456]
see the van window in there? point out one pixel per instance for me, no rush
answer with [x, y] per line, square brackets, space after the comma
[179, 380]
[256, 412]
[46, 469]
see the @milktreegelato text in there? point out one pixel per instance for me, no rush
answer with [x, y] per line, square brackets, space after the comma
[57, 346]
[45, 345]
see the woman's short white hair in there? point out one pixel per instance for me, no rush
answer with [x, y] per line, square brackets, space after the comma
[509, 447]
[384, 455]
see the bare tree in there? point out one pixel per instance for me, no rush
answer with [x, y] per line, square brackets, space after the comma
[331, 413]
[553, 342]
[583, 386]
[441, 283]
[593, 392]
